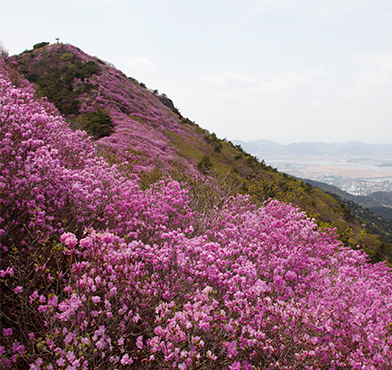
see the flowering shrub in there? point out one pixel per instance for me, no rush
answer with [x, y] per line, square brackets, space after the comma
[83, 88]
[98, 273]
[141, 121]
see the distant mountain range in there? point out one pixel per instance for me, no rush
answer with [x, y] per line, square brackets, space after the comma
[266, 148]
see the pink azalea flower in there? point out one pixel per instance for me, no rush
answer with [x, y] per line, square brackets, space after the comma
[7, 331]
[126, 360]
[18, 289]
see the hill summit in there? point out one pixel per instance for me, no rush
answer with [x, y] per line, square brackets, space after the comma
[104, 267]
[126, 118]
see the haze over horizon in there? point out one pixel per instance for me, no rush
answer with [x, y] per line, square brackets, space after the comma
[284, 70]
[313, 142]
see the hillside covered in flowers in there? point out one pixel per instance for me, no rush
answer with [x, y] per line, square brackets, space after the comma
[101, 269]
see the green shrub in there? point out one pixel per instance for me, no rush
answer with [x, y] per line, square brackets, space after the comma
[40, 45]
[32, 77]
[205, 165]
[67, 57]
[98, 124]
[58, 84]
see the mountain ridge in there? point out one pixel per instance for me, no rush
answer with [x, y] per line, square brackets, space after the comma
[351, 148]
[152, 139]
[114, 264]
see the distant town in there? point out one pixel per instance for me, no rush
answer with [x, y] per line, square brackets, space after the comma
[352, 183]
[358, 186]
[355, 167]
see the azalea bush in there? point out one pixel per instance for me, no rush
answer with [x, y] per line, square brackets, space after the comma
[98, 272]
[100, 99]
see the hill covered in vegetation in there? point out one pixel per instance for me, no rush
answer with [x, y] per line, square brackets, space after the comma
[146, 242]
[143, 132]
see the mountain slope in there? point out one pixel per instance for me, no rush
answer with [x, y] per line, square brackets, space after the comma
[99, 270]
[372, 215]
[142, 132]
[379, 202]
[138, 126]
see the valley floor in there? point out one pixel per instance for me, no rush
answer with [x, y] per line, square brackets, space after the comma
[353, 175]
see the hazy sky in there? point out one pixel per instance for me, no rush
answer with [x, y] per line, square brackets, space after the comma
[282, 70]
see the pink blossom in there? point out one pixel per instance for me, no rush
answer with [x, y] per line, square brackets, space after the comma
[17, 347]
[101, 344]
[7, 331]
[139, 342]
[70, 356]
[76, 363]
[69, 239]
[235, 366]
[126, 360]
[8, 271]
[96, 299]
[68, 338]
[85, 242]
[39, 361]
[85, 340]
[68, 289]
[43, 308]
[232, 349]
[33, 297]
[18, 289]
[60, 362]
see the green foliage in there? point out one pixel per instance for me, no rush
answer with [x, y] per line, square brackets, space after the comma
[307, 187]
[32, 77]
[67, 57]
[239, 148]
[214, 141]
[57, 84]
[59, 91]
[188, 121]
[40, 45]
[205, 165]
[98, 124]
[284, 191]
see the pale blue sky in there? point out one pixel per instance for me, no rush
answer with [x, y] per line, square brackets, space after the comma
[282, 70]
